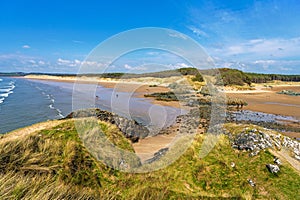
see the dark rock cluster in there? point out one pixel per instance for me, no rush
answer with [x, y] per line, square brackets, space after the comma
[130, 128]
[254, 141]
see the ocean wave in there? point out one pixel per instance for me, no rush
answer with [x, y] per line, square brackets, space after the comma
[6, 94]
[1, 79]
[51, 106]
[1, 100]
[59, 113]
[5, 90]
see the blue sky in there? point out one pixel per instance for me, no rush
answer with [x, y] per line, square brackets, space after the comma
[56, 36]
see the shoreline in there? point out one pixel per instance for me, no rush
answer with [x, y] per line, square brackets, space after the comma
[255, 98]
[138, 89]
[262, 99]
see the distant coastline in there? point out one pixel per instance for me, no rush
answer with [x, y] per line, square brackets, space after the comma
[261, 97]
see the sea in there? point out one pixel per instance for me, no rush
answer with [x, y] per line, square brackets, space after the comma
[24, 102]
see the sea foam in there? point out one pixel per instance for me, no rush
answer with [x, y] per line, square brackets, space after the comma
[6, 94]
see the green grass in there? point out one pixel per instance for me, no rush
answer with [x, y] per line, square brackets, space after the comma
[54, 164]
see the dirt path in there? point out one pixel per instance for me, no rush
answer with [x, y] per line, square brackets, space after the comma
[29, 130]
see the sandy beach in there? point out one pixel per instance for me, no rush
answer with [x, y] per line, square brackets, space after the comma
[139, 87]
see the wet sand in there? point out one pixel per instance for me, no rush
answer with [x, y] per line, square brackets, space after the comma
[271, 102]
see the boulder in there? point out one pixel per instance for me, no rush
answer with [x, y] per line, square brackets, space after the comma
[277, 161]
[251, 182]
[157, 155]
[274, 169]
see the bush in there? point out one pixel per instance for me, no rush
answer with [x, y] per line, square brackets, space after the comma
[233, 77]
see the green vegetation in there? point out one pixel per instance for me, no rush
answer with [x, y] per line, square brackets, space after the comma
[233, 77]
[227, 76]
[13, 74]
[198, 78]
[53, 164]
[163, 96]
[237, 77]
[289, 92]
[239, 103]
[75, 174]
[264, 78]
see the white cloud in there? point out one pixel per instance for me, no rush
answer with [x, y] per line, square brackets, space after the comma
[262, 66]
[26, 46]
[177, 35]
[68, 63]
[279, 48]
[61, 61]
[137, 68]
[41, 62]
[126, 66]
[264, 62]
[85, 66]
[32, 61]
[197, 31]
[183, 65]
[285, 68]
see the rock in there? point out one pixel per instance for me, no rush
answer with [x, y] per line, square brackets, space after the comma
[277, 161]
[157, 155]
[123, 164]
[129, 127]
[251, 182]
[274, 169]
[255, 153]
[232, 164]
[254, 140]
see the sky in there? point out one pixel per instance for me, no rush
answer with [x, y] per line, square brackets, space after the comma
[57, 36]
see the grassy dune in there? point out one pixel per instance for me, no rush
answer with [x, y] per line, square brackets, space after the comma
[54, 164]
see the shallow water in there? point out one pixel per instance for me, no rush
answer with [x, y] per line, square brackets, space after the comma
[24, 102]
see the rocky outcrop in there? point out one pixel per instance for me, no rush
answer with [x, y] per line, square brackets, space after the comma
[254, 141]
[130, 128]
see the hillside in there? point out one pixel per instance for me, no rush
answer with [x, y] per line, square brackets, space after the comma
[50, 161]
